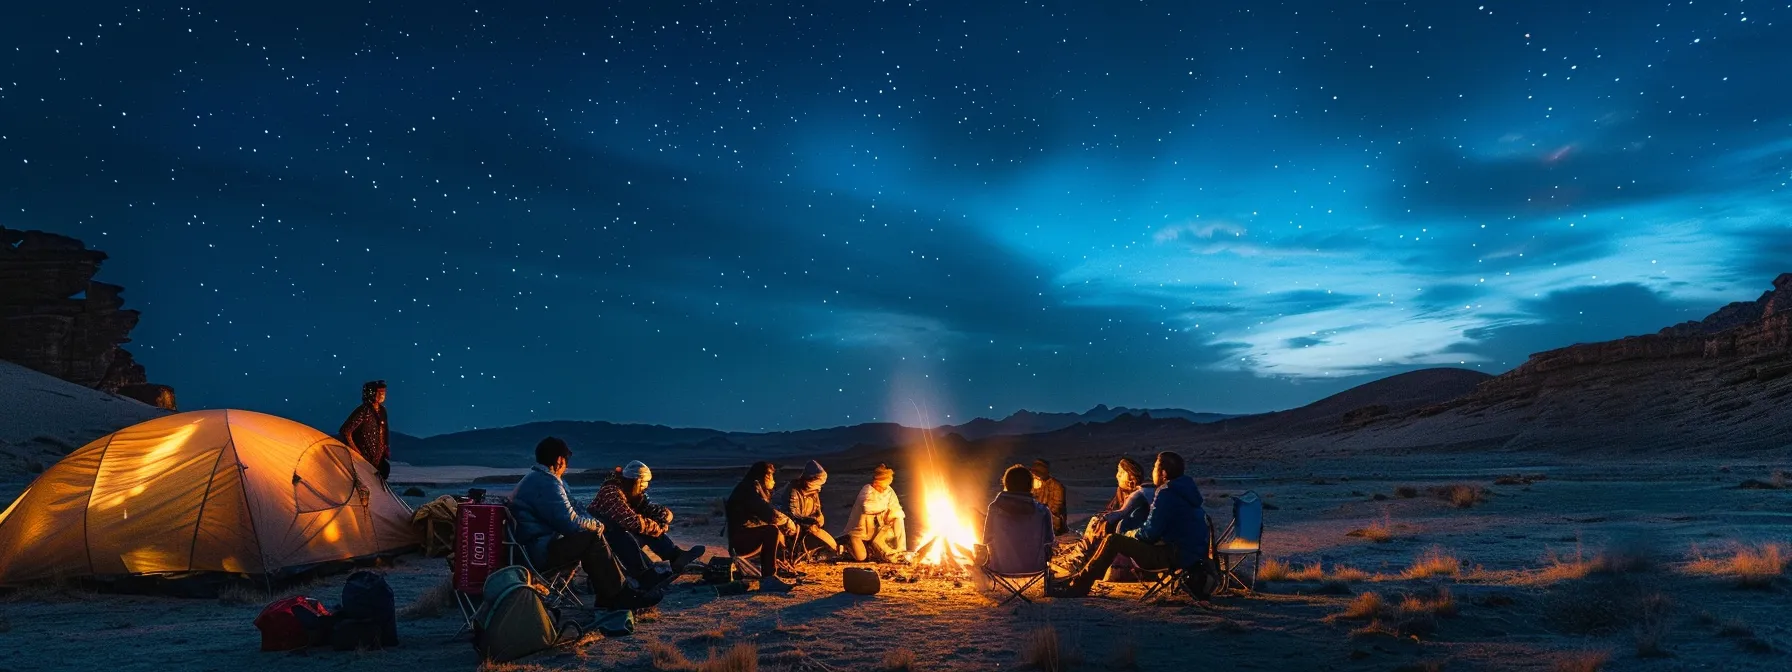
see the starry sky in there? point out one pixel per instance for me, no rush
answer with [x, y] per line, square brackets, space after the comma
[788, 215]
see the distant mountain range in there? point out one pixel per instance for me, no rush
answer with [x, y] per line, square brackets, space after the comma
[606, 442]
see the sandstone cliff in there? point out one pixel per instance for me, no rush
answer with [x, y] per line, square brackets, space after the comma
[56, 319]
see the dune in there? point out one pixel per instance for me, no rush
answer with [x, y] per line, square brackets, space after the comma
[45, 417]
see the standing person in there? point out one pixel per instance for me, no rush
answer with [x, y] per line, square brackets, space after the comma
[633, 522]
[801, 500]
[754, 526]
[365, 429]
[554, 533]
[877, 521]
[1174, 534]
[1050, 492]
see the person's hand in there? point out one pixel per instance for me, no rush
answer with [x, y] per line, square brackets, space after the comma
[599, 529]
[668, 520]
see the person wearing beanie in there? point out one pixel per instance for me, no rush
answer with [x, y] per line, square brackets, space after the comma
[801, 500]
[1050, 492]
[1017, 529]
[875, 530]
[632, 523]
[365, 429]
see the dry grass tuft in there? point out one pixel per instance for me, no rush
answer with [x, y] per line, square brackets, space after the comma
[1621, 558]
[1751, 566]
[1313, 572]
[900, 660]
[240, 595]
[1581, 661]
[1406, 492]
[1434, 562]
[1126, 653]
[742, 657]
[1273, 570]
[1045, 650]
[1366, 606]
[1379, 532]
[438, 600]
[1461, 495]
[1345, 574]
[509, 667]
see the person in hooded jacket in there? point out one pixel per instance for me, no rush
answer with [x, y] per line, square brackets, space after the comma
[876, 528]
[801, 500]
[632, 522]
[556, 534]
[755, 526]
[1174, 533]
[1018, 529]
[1050, 492]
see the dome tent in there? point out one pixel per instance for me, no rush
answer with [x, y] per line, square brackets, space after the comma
[205, 491]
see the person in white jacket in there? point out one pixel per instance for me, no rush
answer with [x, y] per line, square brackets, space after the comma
[875, 529]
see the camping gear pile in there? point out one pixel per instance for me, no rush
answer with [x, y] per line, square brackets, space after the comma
[364, 619]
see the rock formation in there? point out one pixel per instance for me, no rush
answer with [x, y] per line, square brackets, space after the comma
[1718, 383]
[55, 319]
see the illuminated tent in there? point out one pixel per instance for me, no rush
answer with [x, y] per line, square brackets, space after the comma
[206, 491]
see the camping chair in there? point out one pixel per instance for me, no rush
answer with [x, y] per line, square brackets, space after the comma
[1242, 539]
[1176, 578]
[1019, 573]
[558, 579]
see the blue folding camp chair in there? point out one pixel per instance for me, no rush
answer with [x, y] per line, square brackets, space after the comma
[1242, 539]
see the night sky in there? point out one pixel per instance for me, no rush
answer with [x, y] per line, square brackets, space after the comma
[751, 216]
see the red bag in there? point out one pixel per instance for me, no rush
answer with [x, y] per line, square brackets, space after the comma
[288, 624]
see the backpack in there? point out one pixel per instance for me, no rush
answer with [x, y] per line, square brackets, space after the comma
[514, 620]
[366, 618]
[289, 623]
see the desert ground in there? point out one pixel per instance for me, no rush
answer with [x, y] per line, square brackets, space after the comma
[1443, 560]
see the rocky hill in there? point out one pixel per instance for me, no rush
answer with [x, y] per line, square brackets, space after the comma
[42, 418]
[1717, 385]
[55, 319]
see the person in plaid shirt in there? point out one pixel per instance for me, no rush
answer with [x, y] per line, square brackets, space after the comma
[632, 522]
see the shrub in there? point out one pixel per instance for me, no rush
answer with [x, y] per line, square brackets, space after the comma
[431, 603]
[1751, 566]
[1406, 492]
[1432, 563]
[900, 660]
[742, 657]
[1273, 570]
[415, 491]
[239, 595]
[1461, 495]
[1366, 606]
[1045, 650]
[1377, 532]
[1581, 661]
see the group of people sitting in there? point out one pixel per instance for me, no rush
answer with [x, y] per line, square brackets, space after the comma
[1158, 524]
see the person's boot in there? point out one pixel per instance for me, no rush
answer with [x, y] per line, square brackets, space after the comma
[773, 584]
[686, 557]
[650, 578]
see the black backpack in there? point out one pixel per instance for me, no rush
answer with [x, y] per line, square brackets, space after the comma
[367, 618]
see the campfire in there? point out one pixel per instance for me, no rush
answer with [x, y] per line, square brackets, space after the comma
[946, 544]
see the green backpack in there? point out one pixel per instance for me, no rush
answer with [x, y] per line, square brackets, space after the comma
[515, 620]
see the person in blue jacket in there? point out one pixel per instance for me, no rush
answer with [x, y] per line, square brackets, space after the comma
[555, 533]
[1174, 533]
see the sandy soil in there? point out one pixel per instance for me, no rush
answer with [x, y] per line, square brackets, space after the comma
[1523, 599]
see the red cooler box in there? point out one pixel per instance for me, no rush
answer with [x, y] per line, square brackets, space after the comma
[478, 545]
